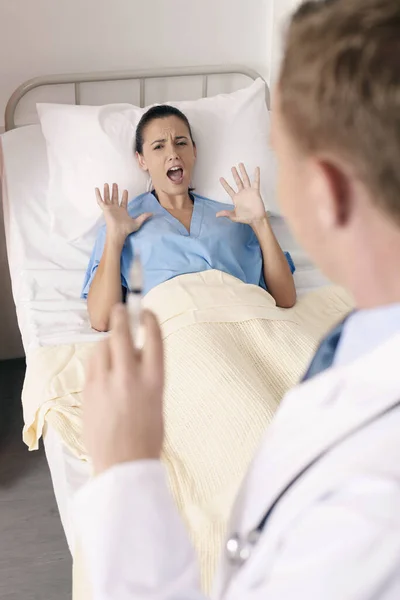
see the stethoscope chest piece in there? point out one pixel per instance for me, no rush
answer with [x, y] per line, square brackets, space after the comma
[238, 550]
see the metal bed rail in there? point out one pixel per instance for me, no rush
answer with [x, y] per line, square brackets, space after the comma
[77, 79]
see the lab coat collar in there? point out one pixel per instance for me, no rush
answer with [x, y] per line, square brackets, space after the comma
[314, 416]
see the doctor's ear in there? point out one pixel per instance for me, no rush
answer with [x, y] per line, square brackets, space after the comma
[331, 192]
[142, 162]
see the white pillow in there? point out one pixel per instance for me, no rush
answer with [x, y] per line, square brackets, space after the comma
[88, 146]
[25, 180]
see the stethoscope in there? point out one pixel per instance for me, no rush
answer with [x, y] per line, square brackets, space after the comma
[239, 548]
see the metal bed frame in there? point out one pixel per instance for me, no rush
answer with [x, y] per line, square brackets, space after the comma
[77, 79]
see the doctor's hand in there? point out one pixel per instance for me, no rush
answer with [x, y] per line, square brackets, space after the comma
[118, 222]
[123, 395]
[249, 206]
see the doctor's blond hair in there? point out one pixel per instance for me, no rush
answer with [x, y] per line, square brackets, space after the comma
[339, 88]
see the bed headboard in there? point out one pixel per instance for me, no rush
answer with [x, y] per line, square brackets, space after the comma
[77, 79]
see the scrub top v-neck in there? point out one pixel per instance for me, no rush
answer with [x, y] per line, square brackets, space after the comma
[167, 249]
[195, 223]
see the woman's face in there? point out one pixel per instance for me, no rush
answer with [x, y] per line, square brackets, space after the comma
[168, 155]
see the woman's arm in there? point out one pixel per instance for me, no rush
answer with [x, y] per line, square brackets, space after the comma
[249, 209]
[106, 289]
[277, 274]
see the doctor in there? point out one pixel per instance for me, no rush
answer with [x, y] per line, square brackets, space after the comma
[319, 514]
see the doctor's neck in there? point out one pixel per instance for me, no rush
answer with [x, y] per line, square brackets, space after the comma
[174, 201]
[371, 270]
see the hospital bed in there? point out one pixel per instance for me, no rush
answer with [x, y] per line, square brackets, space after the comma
[46, 280]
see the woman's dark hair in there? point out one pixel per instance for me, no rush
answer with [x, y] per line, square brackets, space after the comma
[161, 111]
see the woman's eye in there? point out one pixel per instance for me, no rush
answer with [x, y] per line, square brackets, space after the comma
[157, 147]
[182, 144]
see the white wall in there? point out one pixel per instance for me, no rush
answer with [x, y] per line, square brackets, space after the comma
[42, 37]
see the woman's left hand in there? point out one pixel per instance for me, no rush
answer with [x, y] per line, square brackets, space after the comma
[249, 206]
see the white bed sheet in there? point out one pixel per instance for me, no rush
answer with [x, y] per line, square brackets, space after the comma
[68, 475]
[46, 271]
[50, 312]
[47, 274]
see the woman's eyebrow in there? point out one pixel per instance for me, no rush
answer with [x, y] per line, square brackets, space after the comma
[178, 137]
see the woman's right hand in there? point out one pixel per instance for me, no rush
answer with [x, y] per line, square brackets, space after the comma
[118, 222]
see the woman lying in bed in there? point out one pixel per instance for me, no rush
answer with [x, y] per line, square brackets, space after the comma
[177, 231]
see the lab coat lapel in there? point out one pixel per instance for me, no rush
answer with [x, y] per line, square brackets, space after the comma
[313, 417]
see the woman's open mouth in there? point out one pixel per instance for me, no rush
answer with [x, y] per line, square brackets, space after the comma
[175, 175]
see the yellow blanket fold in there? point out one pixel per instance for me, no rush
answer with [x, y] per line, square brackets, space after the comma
[230, 357]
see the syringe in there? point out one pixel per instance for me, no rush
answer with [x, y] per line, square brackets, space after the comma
[134, 301]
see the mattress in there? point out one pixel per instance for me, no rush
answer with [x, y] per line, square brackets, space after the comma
[47, 271]
[50, 312]
[47, 274]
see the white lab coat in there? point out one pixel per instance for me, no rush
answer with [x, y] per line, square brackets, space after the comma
[335, 535]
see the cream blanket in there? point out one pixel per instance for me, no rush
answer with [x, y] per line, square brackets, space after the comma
[230, 357]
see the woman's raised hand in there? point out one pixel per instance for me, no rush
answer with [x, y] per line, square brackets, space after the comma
[249, 206]
[118, 222]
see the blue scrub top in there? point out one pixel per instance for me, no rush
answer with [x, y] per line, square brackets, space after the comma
[167, 249]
